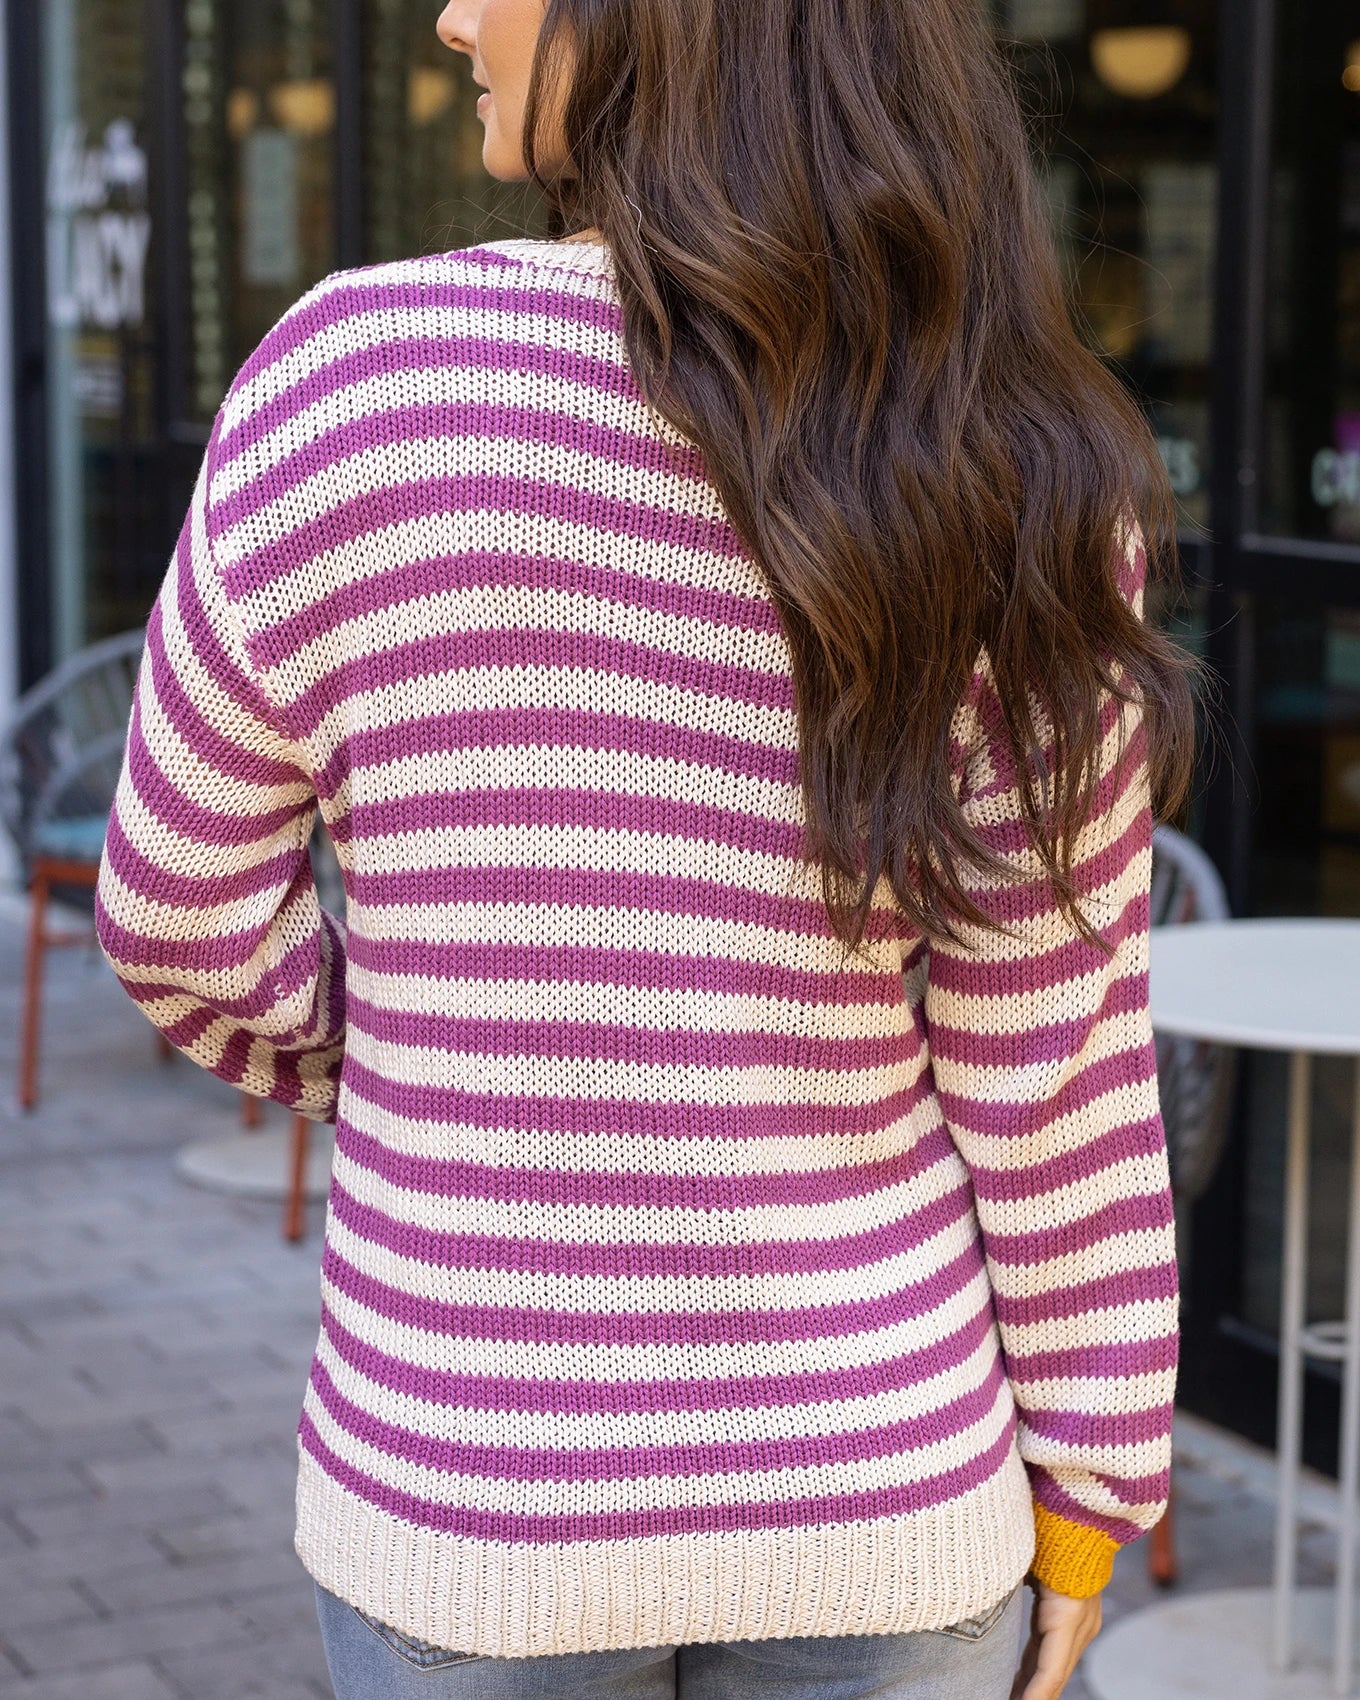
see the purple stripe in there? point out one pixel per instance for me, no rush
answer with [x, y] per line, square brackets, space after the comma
[466, 731]
[600, 966]
[795, 918]
[451, 1177]
[409, 582]
[625, 1041]
[554, 806]
[1071, 1167]
[543, 1393]
[186, 815]
[1134, 1285]
[1131, 1215]
[618, 451]
[218, 951]
[897, 1500]
[539, 1326]
[1080, 1429]
[192, 891]
[627, 1463]
[352, 517]
[1137, 1491]
[621, 1117]
[464, 290]
[524, 1252]
[444, 655]
[1106, 1360]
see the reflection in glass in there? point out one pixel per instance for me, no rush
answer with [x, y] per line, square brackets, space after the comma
[425, 187]
[1305, 780]
[1124, 112]
[100, 361]
[259, 121]
[1311, 448]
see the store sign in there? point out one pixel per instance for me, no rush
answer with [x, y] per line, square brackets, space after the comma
[1336, 477]
[1181, 455]
[98, 228]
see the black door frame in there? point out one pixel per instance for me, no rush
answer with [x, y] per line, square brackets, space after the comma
[1229, 1369]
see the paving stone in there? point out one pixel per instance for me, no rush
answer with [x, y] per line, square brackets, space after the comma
[143, 1508]
[235, 1533]
[77, 1443]
[32, 1484]
[283, 1665]
[96, 1550]
[134, 1587]
[33, 1605]
[204, 1625]
[254, 1428]
[135, 1680]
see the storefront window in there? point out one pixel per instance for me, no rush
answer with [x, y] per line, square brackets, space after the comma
[1305, 786]
[259, 126]
[425, 187]
[100, 353]
[1311, 451]
[1124, 110]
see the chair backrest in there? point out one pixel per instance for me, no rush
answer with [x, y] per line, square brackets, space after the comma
[1195, 1079]
[61, 748]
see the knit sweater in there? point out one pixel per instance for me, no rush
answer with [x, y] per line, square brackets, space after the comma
[683, 1278]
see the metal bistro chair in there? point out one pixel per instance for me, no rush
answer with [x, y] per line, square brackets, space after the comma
[61, 752]
[60, 755]
[1195, 1079]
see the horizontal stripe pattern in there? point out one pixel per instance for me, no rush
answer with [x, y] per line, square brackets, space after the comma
[663, 1244]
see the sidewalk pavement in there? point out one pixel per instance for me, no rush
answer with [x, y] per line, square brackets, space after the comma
[155, 1339]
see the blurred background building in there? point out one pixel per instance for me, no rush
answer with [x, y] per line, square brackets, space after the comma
[180, 171]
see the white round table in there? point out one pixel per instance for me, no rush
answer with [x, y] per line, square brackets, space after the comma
[1280, 985]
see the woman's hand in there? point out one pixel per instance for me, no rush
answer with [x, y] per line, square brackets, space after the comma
[1061, 1628]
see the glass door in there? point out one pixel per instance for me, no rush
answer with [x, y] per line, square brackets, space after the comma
[425, 188]
[100, 354]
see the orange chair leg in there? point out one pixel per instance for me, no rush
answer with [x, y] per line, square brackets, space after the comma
[1162, 1547]
[292, 1211]
[250, 1110]
[164, 1049]
[33, 966]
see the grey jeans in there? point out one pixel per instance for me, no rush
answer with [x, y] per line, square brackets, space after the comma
[975, 1659]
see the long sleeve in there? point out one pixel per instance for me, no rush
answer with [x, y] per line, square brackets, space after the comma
[1042, 1053]
[206, 906]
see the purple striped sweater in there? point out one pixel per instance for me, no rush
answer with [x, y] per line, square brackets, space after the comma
[681, 1282]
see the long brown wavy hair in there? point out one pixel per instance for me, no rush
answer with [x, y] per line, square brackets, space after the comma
[839, 281]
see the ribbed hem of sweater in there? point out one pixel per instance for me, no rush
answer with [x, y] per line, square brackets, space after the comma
[1069, 1556]
[888, 1576]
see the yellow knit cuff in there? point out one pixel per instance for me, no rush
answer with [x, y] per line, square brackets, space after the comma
[1070, 1557]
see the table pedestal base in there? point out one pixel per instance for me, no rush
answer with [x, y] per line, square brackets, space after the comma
[1214, 1646]
[258, 1165]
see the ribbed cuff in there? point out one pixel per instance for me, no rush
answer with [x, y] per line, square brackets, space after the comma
[1070, 1557]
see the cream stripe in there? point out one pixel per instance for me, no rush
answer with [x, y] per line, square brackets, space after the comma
[614, 928]
[654, 1360]
[1089, 1396]
[1135, 1320]
[1128, 1254]
[534, 1076]
[669, 1295]
[568, 688]
[619, 1224]
[367, 327]
[638, 1493]
[569, 1431]
[618, 773]
[673, 1154]
[661, 1009]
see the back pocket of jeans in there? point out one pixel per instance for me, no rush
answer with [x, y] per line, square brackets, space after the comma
[975, 1627]
[424, 1655]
